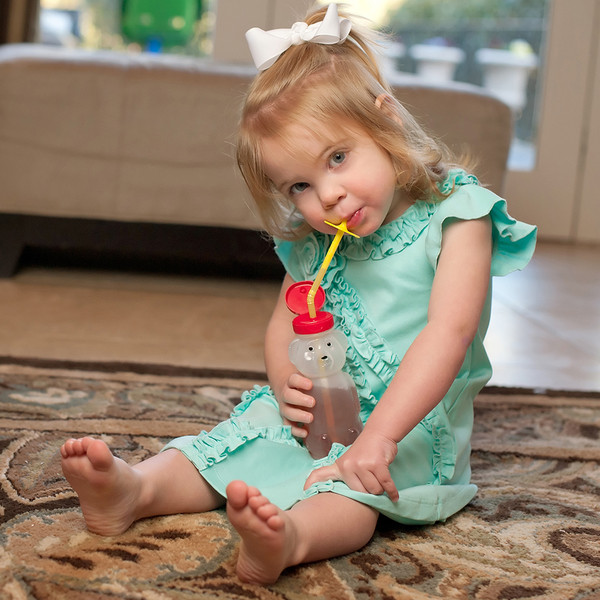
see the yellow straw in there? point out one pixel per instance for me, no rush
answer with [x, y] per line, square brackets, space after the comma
[310, 299]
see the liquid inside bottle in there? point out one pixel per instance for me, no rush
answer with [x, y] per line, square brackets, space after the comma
[335, 414]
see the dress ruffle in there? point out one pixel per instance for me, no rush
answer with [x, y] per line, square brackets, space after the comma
[456, 177]
[444, 444]
[304, 260]
[392, 237]
[216, 445]
[351, 318]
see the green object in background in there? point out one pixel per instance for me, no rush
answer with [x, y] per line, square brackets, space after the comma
[158, 23]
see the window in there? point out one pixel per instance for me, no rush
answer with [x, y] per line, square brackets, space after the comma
[497, 44]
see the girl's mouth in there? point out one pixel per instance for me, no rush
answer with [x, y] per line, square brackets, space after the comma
[355, 219]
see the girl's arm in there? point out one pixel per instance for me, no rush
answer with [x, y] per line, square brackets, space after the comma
[287, 384]
[429, 366]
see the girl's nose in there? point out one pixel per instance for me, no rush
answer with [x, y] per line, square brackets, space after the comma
[331, 194]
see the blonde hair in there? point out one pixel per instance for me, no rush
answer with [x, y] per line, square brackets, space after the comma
[315, 85]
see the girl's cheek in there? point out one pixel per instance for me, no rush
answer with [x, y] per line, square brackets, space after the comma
[316, 223]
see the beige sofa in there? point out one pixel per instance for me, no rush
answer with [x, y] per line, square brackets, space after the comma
[111, 152]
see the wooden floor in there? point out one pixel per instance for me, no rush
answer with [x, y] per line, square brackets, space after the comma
[544, 333]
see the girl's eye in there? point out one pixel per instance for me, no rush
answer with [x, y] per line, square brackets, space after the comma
[337, 158]
[298, 188]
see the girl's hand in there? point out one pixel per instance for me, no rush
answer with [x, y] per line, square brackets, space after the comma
[294, 398]
[364, 467]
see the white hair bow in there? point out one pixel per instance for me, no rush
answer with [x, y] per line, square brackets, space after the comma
[267, 46]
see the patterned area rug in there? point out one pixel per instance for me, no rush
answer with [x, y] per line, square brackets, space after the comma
[533, 531]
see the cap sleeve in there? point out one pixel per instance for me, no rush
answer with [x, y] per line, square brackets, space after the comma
[513, 241]
[300, 257]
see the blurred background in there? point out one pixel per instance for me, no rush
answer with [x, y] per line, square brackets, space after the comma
[541, 57]
[493, 43]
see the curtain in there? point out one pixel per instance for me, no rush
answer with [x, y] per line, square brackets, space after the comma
[18, 21]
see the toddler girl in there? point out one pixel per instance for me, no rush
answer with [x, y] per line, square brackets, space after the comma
[322, 138]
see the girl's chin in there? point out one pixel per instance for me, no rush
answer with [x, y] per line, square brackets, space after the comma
[363, 227]
[362, 224]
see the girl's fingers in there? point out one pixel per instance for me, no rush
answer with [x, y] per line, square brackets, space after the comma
[297, 430]
[296, 415]
[296, 398]
[300, 382]
[368, 482]
[386, 481]
[323, 474]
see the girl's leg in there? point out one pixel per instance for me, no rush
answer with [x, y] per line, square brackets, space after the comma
[320, 527]
[113, 494]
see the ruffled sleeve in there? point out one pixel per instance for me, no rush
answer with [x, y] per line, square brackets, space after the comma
[513, 241]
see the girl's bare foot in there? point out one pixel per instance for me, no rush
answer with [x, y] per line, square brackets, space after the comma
[109, 489]
[268, 535]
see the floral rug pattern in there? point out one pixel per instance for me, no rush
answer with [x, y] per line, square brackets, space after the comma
[533, 530]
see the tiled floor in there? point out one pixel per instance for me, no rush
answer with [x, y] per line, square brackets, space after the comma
[545, 329]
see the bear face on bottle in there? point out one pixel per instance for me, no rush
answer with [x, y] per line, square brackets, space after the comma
[319, 355]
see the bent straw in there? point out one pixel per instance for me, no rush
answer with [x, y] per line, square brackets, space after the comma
[341, 230]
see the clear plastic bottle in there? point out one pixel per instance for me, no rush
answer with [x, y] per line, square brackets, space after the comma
[319, 352]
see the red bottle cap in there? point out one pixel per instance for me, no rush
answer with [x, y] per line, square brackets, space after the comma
[296, 298]
[304, 325]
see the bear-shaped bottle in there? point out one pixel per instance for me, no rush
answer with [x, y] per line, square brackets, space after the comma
[319, 352]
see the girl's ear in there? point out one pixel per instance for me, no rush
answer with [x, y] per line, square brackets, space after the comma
[386, 103]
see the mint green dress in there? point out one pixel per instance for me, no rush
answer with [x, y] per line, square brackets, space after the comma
[378, 290]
